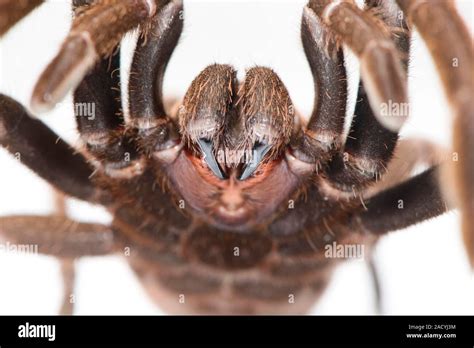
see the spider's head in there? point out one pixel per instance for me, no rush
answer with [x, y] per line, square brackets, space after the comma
[232, 169]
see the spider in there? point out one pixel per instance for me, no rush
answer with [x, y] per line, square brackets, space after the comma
[227, 204]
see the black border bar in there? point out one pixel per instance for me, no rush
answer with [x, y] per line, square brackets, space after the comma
[261, 330]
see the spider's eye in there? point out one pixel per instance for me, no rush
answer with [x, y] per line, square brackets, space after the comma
[206, 149]
[258, 153]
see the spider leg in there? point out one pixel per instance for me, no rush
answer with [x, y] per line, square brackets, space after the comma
[154, 48]
[97, 107]
[409, 154]
[68, 273]
[451, 46]
[369, 145]
[413, 201]
[44, 152]
[96, 31]
[57, 235]
[322, 137]
[374, 274]
[99, 118]
[381, 69]
[12, 11]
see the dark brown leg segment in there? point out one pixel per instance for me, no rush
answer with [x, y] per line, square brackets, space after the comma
[61, 237]
[67, 265]
[98, 110]
[98, 93]
[381, 66]
[370, 145]
[322, 137]
[154, 49]
[96, 31]
[406, 204]
[44, 152]
[68, 273]
[99, 116]
[58, 236]
[409, 155]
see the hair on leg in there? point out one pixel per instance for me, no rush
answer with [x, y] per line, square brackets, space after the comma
[68, 274]
[44, 152]
[451, 47]
[99, 117]
[406, 204]
[155, 46]
[381, 67]
[323, 134]
[58, 235]
[95, 33]
[369, 146]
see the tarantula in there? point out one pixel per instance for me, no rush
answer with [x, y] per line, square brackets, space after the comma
[226, 204]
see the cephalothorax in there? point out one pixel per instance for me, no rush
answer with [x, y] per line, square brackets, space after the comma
[227, 204]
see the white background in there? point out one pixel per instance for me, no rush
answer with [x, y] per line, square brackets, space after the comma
[424, 268]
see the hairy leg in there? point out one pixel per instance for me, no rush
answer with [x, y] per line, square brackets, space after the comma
[63, 238]
[36, 146]
[114, 145]
[95, 33]
[99, 118]
[387, 209]
[369, 146]
[451, 46]
[323, 134]
[381, 68]
[68, 273]
[97, 105]
[409, 155]
[67, 264]
[403, 205]
[157, 133]
[153, 51]
[58, 236]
